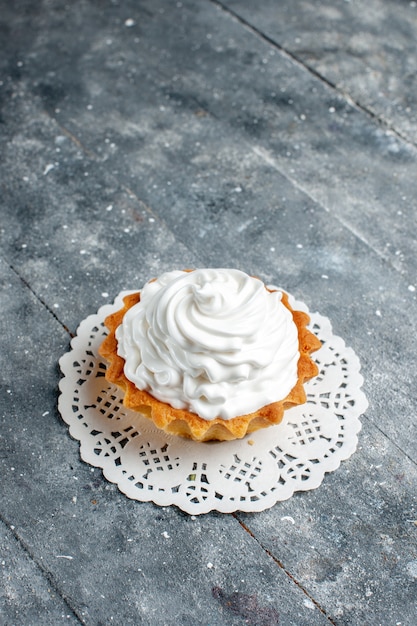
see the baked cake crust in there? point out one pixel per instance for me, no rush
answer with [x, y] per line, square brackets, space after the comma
[186, 424]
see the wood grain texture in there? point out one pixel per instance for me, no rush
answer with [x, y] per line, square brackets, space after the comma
[139, 137]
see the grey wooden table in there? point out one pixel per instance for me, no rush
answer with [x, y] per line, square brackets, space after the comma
[278, 137]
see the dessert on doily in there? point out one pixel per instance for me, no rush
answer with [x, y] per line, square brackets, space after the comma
[209, 354]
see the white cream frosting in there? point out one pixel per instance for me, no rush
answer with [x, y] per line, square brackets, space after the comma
[213, 341]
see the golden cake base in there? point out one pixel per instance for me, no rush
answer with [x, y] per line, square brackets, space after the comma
[187, 424]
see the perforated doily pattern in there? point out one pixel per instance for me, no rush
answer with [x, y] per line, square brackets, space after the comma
[248, 475]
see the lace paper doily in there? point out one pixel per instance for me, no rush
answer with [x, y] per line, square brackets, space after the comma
[251, 474]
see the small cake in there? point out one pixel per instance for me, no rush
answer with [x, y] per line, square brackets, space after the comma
[209, 354]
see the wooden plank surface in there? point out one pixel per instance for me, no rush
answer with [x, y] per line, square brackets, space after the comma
[145, 136]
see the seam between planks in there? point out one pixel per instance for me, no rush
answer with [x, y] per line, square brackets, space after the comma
[293, 57]
[286, 572]
[45, 573]
[38, 298]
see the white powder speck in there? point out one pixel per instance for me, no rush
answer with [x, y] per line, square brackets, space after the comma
[410, 287]
[130, 22]
[48, 168]
[324, 276]
[109, 208]
[83, 251]
[272, 249]
[412, 568]
[56, 305]
[64, 556]
[165, 534]
[26, 178]
[378, 313]
[104, 294]
[89, 107]
[126, 230]
[151, 220]
[210, 565]
[299, 246]
[24, 245]
[308, 603]
[332, 110]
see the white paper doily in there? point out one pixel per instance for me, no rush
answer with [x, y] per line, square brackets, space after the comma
[251, 474]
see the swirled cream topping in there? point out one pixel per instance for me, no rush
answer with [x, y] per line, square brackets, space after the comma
[213, 341]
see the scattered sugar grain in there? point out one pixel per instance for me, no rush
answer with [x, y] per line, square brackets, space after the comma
[130, 22]
[64, 556]
[378, 313]
[48, 168]
[308, 603]
[104, 294]
[410, 287]
[165, 534]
